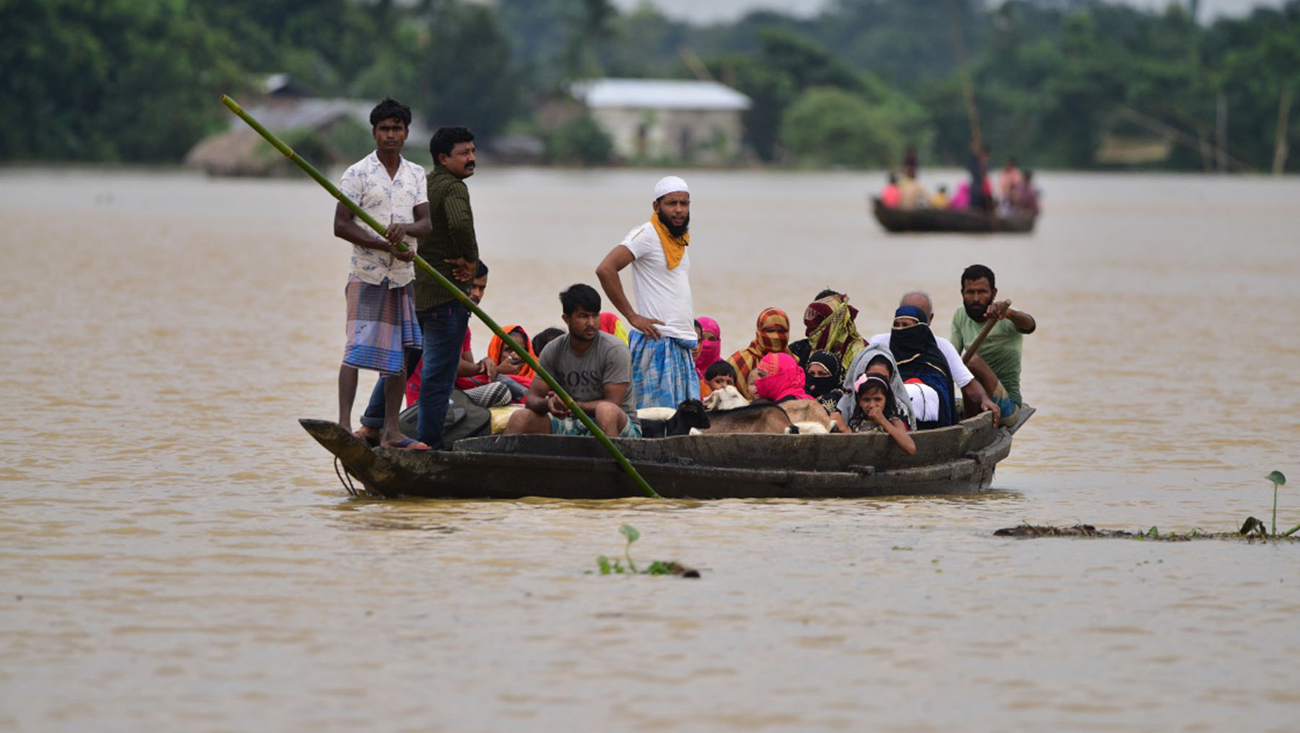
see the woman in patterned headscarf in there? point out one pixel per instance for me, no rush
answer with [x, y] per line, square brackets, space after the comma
[772, 337]
[829, 323]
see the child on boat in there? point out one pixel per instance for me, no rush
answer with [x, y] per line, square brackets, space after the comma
[876, 411]
[719, 375]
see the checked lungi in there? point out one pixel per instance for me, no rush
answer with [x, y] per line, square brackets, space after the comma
[381, 326]
[663, 371]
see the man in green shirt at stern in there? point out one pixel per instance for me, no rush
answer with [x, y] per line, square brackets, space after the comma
[997, 361]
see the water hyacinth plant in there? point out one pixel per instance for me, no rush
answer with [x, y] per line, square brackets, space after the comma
[658, 567]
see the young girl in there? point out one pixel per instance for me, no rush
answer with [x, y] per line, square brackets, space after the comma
[876, 411]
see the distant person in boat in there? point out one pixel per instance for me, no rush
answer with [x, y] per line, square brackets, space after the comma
[594, 367]
[663, 371]
[1025, 198]
[1011, 180]
[912, 195]
[720, 375]
[1003, 347]
[961, 200]
[708, 349]
[772, 336]
[382, 325]
[974, 398]
[909, 162]
[876, 410]
[891, 196]
[940, 198]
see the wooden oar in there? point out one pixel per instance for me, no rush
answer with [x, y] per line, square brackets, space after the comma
[979, 340]
[451, 288]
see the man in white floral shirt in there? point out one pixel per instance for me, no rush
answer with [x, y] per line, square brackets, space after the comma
[382, 332]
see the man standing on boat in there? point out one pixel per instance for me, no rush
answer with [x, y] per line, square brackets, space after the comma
[1003, 346]
[381, 323]
[663, 371]
[449, 245]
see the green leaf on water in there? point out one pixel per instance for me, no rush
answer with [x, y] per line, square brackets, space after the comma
[1153, 532]
[603, 562]
[630, 533]
[1277, 478]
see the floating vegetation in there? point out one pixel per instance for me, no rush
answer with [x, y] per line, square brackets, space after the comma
[658, 567]
[1251, 530]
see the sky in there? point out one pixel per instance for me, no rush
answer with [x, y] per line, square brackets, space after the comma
[708, 11]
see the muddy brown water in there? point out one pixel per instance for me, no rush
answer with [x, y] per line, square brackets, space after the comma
[176, 554]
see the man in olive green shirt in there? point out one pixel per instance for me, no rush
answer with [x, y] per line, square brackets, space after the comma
[1002, 348]
[452, 249]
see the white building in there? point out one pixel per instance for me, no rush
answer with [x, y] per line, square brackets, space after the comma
[667, 119]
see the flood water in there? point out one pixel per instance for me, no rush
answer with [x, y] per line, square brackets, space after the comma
[177, 554]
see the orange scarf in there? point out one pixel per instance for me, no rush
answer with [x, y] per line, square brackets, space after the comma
[674, 247]
[497, 350]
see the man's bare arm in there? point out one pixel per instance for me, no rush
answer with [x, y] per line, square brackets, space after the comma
[607, 272]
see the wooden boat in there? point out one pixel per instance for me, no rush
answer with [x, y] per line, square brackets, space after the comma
[950, 220]
[953, 460]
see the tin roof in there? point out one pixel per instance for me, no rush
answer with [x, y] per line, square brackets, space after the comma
[660, 94]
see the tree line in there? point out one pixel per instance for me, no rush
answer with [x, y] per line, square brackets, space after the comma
[1055, 82]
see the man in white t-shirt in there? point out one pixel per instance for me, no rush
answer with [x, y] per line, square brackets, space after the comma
[974, 397]
[663, 371]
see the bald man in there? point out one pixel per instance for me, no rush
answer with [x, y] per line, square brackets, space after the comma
[974, 397]
[663, 371]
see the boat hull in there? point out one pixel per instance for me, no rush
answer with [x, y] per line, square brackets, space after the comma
[950, 220]
[961, 460]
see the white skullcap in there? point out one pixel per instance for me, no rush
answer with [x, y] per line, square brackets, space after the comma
[669, 184]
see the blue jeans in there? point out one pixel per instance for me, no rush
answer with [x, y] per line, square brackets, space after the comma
[443, 328]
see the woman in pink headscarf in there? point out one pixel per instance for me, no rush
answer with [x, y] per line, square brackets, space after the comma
[780, 378]
[708, 347]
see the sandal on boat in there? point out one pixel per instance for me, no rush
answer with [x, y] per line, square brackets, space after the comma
[410, 444]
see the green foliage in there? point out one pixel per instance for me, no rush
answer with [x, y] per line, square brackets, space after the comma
[109, 79]
[579, 141]
[832, 127]
[607, 566]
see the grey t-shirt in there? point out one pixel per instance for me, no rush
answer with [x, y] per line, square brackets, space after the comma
[584, 377]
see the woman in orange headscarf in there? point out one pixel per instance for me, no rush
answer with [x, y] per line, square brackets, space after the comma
[508, 362]
[772, 337]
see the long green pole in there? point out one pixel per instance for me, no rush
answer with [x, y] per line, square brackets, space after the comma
[451, 288]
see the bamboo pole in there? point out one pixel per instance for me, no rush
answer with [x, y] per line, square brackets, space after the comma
[451, 288]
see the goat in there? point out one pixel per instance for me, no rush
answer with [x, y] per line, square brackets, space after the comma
[727, 398]
[807, 411]
[690, 414]
[764, 417]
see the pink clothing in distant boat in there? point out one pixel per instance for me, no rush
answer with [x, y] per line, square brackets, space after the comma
[891, 196]
[961, 200]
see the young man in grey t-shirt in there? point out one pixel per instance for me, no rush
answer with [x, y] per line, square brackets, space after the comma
[594, 367]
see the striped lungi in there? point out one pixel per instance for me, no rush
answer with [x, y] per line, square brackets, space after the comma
[381, 325]
[663, 371]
